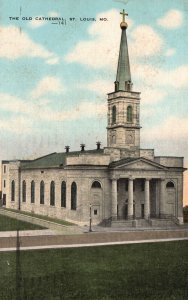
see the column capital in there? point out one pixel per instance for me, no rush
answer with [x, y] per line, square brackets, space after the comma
[115, 178]
[148, 179]
[131, 178]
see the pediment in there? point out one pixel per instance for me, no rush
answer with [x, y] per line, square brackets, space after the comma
[137, 164]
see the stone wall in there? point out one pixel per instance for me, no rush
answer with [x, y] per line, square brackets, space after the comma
[99, 199]
[88, 159]
[170, 161]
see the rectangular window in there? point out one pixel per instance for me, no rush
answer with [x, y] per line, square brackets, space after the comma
[24, 191]
[42, 192]
[4, 183]
[13, 190]
[52, 193]
[5, 169]
[95, 212]
[32, 192]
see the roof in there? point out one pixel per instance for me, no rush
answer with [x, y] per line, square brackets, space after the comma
[55, 160]
[121, 161]
[124, 161]
[123, 69]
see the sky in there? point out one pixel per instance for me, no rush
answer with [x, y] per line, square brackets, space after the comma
[55, 74]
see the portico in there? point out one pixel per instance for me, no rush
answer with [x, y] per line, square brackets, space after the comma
[137, 198]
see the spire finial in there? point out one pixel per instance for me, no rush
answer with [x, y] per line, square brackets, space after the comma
[123, 24]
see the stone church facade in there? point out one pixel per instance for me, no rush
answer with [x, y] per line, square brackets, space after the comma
[121, 183]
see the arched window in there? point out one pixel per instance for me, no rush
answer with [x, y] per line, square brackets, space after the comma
[129, 114]
[32, 191]
[96, 184]
[42, 192]
[63, 194]
[170, 184]
[52, 193]
[114, 114]
[13, 190]
[73, 196]
[24, 191]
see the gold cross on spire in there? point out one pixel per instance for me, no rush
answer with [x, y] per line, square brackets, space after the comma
[123, 15]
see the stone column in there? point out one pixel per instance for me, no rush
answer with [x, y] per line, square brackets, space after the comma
[147, 199]
[130, 199]
[114, 199]
[162, 198]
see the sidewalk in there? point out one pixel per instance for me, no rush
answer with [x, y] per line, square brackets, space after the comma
[48, 239]
[91, 244]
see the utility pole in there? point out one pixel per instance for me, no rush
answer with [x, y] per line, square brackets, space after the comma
[90, 230]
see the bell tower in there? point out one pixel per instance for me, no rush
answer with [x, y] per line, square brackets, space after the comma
[123, 130]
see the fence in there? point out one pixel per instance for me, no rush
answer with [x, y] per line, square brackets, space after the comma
[44, 287]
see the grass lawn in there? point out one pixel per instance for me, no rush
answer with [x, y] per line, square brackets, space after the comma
[40, 217]
[10, 224]
[139, 271]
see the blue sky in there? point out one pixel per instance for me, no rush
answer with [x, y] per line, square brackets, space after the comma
[54, 78]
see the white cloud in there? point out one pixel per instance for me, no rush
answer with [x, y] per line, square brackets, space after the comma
[152, 95]
[173, 129]
[16, 44]
[16, 125]
[26, 111]
[100, 87]
[17, 105]
[150, 75]
[35, 23]
[145, 41]
[177, 78]
[95, 53]
[172, 19]
[53, 14]
[170, 52]
[13, 104]
[53, 61]
[48, 85]
[84, 109]
[147, 111]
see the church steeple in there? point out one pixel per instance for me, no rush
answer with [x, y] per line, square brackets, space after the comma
[123, 77]
[123, 130]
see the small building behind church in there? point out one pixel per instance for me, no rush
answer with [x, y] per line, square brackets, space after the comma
[121, 183]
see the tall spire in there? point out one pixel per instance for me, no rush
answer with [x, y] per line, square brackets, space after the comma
[123, 77]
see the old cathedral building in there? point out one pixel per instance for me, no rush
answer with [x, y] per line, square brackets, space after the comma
[122, 183]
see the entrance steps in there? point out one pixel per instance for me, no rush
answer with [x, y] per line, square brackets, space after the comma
[162, 223]
[142, 223]
[123, 223]
[137, 223]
